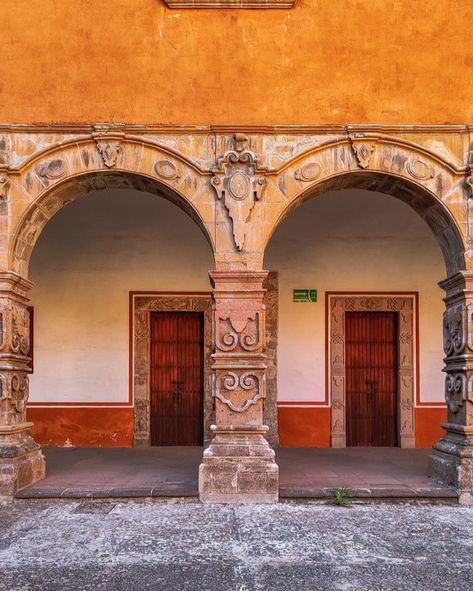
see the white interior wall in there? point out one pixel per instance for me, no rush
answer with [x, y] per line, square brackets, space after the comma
[352, 240]
[87, 259]
[97, 249]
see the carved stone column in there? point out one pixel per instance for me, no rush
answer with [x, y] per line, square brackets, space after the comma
[21, 460]
[239, 466]
[452, 456]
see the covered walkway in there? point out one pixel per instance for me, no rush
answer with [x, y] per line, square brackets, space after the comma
[310, 473]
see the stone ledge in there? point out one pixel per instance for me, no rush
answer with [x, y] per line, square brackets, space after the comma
[230, 3]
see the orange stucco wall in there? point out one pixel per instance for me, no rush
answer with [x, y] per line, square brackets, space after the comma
[113, 427]
[337, 61]
[82, 427]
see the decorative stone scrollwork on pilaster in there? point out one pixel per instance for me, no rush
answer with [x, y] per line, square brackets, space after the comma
[455, 335]
[240, 386]
[455, 391]
[21, 461]
[238, 330]
[239, 466]
[239, 182]
[452, 456]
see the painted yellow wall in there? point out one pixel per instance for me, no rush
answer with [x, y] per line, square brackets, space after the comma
[354, 241]
[325, 61]
[88, 258]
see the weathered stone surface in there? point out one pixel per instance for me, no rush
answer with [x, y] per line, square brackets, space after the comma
[190, 546]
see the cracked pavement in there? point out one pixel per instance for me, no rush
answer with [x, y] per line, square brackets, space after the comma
[187, 546]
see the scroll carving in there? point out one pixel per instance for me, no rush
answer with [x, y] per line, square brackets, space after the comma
[455, 391]
[239, 329]
[231, 382]
[14, 391]
[454, 330]
[238, 183]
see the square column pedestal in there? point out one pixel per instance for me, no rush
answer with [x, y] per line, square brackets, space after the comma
[452, 457]
[21, 460]
[238, 466]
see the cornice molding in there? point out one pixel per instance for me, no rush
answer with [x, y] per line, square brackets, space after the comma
[248, 4]
[130, 128]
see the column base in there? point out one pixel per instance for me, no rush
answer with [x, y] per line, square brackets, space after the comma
[21, 460]
[451, 461]
[238, 467]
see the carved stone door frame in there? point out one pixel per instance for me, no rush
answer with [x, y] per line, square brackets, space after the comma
[406, 305]
[141, 306]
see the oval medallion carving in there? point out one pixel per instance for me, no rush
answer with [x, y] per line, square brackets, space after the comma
[308, 172]
[53, 169]
[166, 170]
[239, 185]
[419, 170]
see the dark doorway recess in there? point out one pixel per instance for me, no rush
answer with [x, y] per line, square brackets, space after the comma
[177, 353]
[371, 378]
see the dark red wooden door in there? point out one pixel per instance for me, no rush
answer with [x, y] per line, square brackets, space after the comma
[371, 378]
[176, 378]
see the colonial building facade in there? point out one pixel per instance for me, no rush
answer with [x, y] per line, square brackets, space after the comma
[238, 187]
[236, 276]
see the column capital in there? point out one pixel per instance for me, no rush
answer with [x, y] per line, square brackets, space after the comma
[12, 284]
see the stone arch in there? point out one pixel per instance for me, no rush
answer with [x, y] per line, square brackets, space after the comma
[433, 187]
[61, 175]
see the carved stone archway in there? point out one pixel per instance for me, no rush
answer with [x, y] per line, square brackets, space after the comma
[404, 305]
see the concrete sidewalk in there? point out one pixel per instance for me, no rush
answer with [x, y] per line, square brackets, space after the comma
[369, 473]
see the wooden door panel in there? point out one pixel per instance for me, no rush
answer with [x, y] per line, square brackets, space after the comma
[176, 378]
[371, 378]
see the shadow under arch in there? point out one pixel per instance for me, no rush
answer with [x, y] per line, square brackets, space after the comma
[52, 200]
[430, 208]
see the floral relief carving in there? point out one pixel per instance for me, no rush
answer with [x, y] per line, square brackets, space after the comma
[238, 183]
[231, 382]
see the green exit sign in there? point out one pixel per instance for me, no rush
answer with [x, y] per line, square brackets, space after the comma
[304, 295]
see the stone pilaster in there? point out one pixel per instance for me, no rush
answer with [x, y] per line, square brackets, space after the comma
[21, 460]
[238, 466]
[452, 456]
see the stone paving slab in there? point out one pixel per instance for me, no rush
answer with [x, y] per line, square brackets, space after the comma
[145, 545]
[310, 473]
